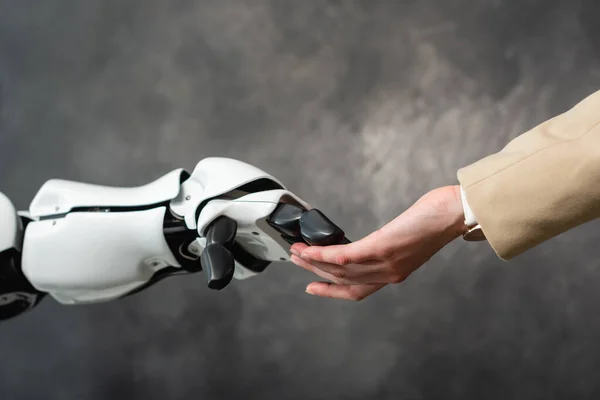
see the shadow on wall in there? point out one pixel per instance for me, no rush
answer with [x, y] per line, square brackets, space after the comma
[188, 346]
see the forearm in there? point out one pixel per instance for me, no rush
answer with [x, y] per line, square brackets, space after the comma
[541, 184]
[86, 243]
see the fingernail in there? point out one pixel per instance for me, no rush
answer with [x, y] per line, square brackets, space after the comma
[309, 291]
[295, 252]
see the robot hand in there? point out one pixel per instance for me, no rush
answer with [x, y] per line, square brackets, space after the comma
[83, 243]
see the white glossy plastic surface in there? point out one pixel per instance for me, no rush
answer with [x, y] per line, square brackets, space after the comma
[59, 196]
[214, 176]
[87, 257]
[93, 257]
[250, 213]
[10, 225]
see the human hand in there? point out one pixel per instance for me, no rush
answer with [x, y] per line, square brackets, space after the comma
[388, 255]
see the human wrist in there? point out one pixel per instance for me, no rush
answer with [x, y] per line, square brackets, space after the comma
[456, 215]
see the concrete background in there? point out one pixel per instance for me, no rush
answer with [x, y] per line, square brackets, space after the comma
[360, 107]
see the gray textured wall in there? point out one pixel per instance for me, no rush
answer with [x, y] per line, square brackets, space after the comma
[360, 107]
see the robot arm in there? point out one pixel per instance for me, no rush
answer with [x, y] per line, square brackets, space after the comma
[82, 243]
[17, 295]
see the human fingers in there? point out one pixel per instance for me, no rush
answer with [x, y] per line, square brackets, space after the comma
[344, 254]
[311, 268]
[298, 248]
[349, 275]
[344, 292]
[365, 272]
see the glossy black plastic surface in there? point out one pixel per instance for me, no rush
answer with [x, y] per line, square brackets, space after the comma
[286, 219]
[217, 260]
[318, 230]
[16, 293]
[219, 265]
[222, 231]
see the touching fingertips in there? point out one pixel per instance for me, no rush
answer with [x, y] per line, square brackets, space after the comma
[301, 263]
[297, 260]
[298, 248]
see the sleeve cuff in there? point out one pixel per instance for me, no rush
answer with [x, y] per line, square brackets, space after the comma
[470, 219]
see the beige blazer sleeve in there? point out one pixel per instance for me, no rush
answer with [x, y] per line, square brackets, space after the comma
[541, 184]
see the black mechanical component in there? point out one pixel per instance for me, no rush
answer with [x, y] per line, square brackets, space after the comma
[311, 227]
[222, 231]
[219, 266]
[286, 219]
[179, 238]
[318, 230]
[217, 260]
[16, 293]
[293, 239]
[247, 260]
[222, 252]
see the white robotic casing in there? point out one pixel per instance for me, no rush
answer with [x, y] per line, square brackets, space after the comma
[213, 177]
[90, 243]
[10, 225]
[250, 212]
[58, 196]
[91, 255]
[87, 256]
